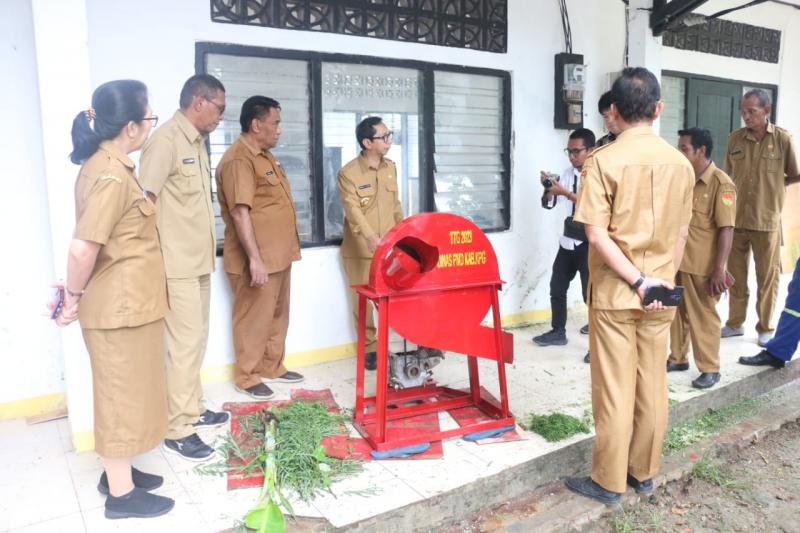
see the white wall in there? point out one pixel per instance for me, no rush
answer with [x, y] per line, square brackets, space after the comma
[30, 346]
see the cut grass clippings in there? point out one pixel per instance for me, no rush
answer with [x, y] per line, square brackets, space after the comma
[710, 472]
[299, 456]
[555, 426]
[712, 422]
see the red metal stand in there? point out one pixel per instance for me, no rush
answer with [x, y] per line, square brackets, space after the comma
[432, 302]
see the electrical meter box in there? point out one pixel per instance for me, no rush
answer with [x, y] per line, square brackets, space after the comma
[570, 84]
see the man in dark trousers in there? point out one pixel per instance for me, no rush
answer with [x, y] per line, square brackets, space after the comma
[573, 252]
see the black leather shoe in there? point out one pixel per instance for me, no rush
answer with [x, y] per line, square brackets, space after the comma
[676, 367]
[587, 487]
[137, 504]
[551, 338]
[211, 419]
[585, 329]
[141, 480]
[706, 380]
[287, 377]
[371, 360]
[586, 358]
[641, 487]
[763, 358]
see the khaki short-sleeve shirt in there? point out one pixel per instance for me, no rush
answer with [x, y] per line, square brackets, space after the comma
[639, 188]
[128, 285]
[759, 170]
[256, 179]
[713, 207]
[370, 202]
[174, 167]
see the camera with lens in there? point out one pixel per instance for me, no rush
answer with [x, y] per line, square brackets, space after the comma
[550, 180]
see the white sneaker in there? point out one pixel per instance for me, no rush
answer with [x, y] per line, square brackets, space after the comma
[731, 332]
[764, 337]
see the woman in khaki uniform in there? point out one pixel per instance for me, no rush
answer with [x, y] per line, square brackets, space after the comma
[116, 288]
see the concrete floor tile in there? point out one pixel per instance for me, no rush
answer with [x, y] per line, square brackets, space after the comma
[38, 496]
[72, 523]
[183, 517]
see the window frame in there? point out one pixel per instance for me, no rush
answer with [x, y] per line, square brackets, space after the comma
[688, 76]
[426, 120]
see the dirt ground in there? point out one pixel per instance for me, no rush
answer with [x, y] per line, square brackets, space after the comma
[756, 489]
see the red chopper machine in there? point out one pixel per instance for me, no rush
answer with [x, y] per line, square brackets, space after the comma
[433, 279]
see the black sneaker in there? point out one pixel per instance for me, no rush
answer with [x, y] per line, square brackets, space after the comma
[762, 358]
[586, 358]
[585, 329]
[141, 480]
[137, 503]
[288, 377]
[259, 391]
[676, 367]
[191, 448]
[211, 419]
[641, 487]
[586, 486]
[371, 360]
[551, 338]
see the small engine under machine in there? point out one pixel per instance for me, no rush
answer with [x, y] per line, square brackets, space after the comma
[413, 368]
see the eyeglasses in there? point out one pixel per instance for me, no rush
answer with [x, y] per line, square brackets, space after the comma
[220, 108]
[574, 151]
[385, 138]
[153, 119]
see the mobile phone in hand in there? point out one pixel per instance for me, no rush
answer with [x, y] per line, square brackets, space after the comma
[669, 298]
[58, 302]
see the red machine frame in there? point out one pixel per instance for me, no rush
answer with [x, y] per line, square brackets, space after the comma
[372, 413]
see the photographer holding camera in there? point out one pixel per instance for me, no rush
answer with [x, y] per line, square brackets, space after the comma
[572, 256]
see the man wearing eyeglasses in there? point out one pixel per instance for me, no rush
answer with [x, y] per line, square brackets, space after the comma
[573, 250]
[175, 170]
[368, 190]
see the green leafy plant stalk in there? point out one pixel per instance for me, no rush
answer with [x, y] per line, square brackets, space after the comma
[266, 516]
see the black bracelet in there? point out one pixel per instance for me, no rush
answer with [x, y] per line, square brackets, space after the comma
[638, 283]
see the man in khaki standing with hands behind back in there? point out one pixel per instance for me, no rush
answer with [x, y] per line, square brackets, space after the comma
[175, 169]
[635, 202]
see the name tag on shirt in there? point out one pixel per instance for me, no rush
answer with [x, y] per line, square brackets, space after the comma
[367, 186]
[736, 152]
[188, 161]
[270, 173]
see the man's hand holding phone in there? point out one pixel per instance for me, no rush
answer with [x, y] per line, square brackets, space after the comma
[658, 294]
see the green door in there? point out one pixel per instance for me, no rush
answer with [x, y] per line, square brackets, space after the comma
[714, 105]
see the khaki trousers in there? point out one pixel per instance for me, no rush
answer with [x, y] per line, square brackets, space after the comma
[629, 393]
[357, 272]
[260, 323]
[766, 247]
[130, 401]
[187, 337]
[696, 316]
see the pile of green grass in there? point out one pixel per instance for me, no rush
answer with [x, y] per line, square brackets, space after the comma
[298, 453]
[555, 426]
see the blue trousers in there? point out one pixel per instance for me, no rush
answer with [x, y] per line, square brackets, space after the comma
[787, 335]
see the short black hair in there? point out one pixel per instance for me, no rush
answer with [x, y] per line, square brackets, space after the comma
[256, 107]
[700, 137]
[202, 85]
[604, 104]
[636, 93]
[586, 134]
[366, 129]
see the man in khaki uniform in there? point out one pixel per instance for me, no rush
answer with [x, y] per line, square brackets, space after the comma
[261, 242]
[762, 160]
[368, 190]
[175, 170]
[636, 203]
[702, 271]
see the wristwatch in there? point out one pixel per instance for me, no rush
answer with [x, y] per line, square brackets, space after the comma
[638, 283]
